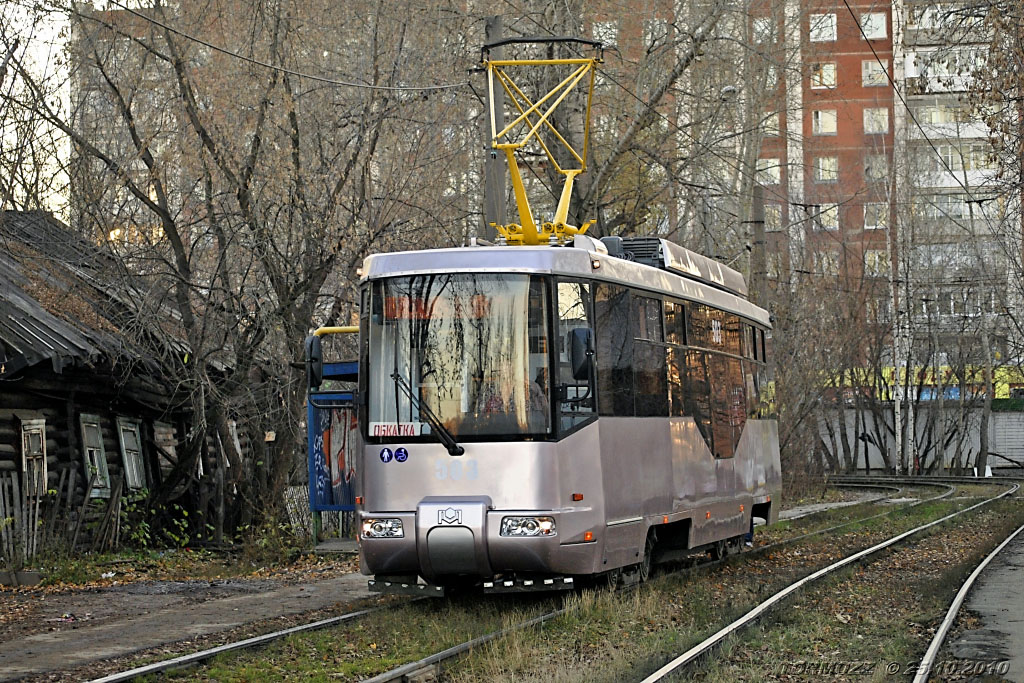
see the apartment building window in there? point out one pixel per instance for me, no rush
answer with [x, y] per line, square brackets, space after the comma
[876, 262]
[826, 169]
[764, 30]
[874, 72]
[873, 25]
[823, 28]
[876, 167]
[943, 113]
[606, 31]
[769, 171]
[826, 262]
[823, 122]
[771, 77]
[876, 216]
[825, 217]
[823, 75]
[876, 120]
[770, 124]
[978, 157]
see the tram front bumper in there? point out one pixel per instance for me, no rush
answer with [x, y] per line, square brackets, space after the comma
[462, 537]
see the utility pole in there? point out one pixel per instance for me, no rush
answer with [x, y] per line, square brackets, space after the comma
[494, 165]
[758, 256]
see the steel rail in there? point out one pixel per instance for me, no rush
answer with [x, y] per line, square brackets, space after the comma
[419, 670]
[704, 646]
[202, 655]
[925, 667]
[948, 492]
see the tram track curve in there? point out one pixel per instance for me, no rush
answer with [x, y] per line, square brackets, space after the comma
[691, 655]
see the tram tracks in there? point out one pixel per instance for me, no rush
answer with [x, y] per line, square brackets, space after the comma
[432, 665]
[435, 660]
[692, 654]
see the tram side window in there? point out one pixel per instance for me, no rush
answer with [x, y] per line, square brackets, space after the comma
[675, 323]
[731, 328]
[696, 393]
[647, 318]
[753, 392]
[573, 312]
[650, 380]
[676, 378]
[614, 350]
[728, 404]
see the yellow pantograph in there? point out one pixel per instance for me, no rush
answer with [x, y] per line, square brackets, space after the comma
[533, 118]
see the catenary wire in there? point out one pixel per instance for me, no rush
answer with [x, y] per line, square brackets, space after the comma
[281, 69]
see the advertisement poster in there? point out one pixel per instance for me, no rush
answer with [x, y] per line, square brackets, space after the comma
[333, 444]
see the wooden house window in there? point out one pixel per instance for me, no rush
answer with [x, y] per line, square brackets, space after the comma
[131, 453]
[94, 456]
[33, 456]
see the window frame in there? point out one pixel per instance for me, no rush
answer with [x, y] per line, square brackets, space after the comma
[819, 117]
[884, 27]
[33, 464]
[768, 170]
[883, 212]
[102, 487]
[819, 211]
[826, 173]
[874, 73]
[822, 28]
[869, 113]
[819, 73]
[134, 472]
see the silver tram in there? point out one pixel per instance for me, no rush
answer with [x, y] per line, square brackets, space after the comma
[537, 415]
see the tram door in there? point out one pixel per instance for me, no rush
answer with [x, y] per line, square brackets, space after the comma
[574, 396]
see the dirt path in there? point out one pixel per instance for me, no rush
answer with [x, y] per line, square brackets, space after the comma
[65, 631]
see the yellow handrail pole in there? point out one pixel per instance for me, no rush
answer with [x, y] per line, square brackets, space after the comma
[347, 329]
[586, 121]
[522, 203]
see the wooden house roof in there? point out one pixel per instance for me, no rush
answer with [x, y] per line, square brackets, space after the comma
[55, 299]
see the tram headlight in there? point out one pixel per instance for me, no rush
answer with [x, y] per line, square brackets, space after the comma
[528, 526]
[388, 527]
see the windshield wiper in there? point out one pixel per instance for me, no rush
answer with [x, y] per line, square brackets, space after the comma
[443, 435]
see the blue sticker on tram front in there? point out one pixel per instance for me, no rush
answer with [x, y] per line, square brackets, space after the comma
[401, 455]
[386, 455]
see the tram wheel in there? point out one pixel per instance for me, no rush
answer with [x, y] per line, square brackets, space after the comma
[718, 550]
[644, 568]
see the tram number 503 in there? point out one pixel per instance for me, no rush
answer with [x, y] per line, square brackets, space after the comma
[456, 470]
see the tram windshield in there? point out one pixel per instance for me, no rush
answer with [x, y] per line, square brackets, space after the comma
[471, 348]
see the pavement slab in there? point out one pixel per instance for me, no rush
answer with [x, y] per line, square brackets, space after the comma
[998, 599]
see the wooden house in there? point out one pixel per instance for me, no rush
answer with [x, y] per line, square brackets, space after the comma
[75, 395]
